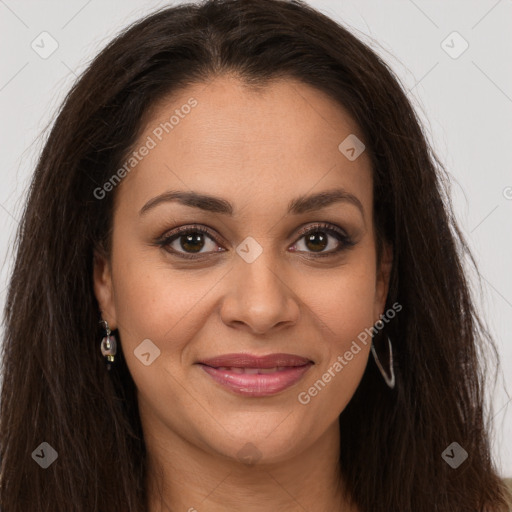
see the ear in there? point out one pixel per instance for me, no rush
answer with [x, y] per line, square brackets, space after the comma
[103, 289]
[383, 276]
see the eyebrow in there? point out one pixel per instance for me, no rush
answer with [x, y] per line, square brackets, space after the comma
[212, 204]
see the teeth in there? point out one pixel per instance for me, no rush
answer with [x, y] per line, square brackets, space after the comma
[269, 370]
[252, 371]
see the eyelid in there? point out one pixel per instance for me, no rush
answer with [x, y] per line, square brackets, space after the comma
[321, 225]
[343, 238]
[174, 234]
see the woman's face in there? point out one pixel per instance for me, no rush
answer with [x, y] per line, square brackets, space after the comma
[256, 285]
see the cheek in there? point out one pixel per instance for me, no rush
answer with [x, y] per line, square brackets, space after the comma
[167, 308]
[343, 303]
[344, 300]
[345, 348]
[345, 352]
[157, 303]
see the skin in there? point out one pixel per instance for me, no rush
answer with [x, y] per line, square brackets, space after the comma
[258, 150]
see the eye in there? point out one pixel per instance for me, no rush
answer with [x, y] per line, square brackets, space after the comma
[316, 239]
[190, 239]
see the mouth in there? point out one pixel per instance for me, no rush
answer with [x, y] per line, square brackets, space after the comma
[245, 360]
[253, 371]
[256, 376]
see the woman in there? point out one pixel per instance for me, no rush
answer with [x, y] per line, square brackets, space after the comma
[238, 212]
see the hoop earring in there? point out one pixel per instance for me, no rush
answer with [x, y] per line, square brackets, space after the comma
[108, 345]
[390, 381]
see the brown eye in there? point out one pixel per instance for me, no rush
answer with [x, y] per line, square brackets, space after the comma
[188, 242]
[317, 239]
[192, 242]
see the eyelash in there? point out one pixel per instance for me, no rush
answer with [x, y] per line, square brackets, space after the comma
[345, 241]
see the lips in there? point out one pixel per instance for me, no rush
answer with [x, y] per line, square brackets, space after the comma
[256, 376]
[250, 361]
[252, 371]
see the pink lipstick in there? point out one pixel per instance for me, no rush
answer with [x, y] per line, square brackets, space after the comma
[256, 376]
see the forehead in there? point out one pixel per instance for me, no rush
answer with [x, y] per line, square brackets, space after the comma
[267, 144]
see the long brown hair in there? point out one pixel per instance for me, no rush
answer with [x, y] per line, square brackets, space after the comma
[55, 387]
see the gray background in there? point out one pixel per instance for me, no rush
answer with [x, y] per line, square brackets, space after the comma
[465, 103]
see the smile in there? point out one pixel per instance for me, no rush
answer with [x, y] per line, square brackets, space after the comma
[257, 382]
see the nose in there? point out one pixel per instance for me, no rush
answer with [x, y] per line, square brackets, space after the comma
[259, 299]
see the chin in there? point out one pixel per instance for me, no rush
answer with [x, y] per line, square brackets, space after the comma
[254, 446]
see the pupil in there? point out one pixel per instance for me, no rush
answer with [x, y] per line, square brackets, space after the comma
[316, 238]
[192, 241]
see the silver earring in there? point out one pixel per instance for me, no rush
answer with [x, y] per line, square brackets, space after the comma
[390, 381]
[108, 345]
